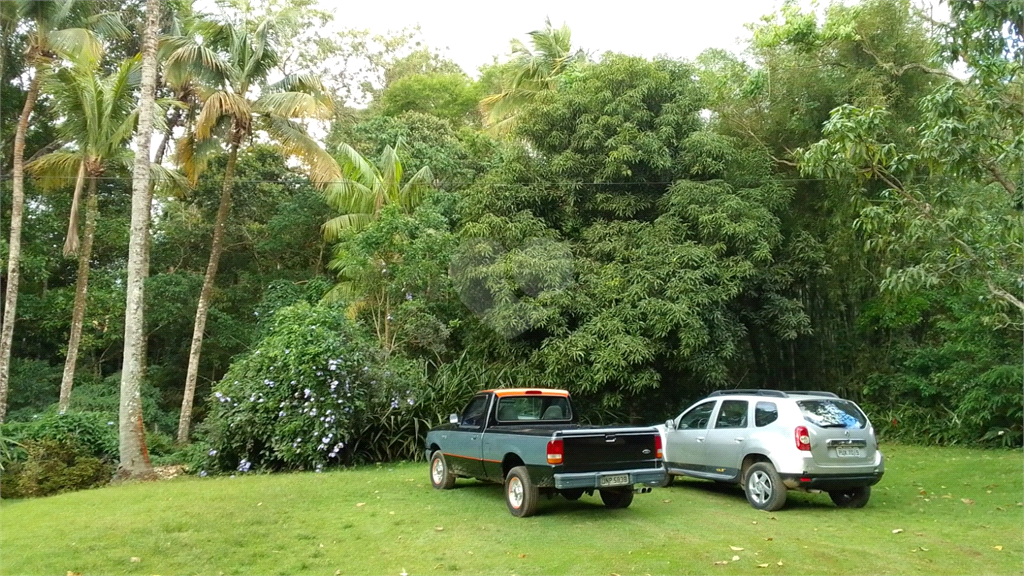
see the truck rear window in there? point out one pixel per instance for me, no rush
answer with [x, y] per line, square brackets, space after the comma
[532, 408]
[832, 413]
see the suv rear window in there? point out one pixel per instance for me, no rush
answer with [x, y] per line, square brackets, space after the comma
[832, 413]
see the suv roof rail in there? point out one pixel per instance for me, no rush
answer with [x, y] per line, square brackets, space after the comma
[751, 391]
[815, 393]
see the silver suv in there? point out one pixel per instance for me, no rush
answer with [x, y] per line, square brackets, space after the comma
[770, 441]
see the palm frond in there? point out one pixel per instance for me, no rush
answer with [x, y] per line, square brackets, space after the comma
[187, 59]
[322, 169]
[55, 170]
[415, 189]
[108, 25]
[293, 105]
[192, 156]
[170, 182]
[355, 167]
[217, 105]
[335, 227]
[76, 44]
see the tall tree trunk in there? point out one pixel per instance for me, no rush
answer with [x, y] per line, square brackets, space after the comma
[81, 292]
[134, 458]
[204, 296]
[14, 247]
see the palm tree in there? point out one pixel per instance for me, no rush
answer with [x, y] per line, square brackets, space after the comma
[365, 188]
[133, 456]
[234, 60]
[58, 29]
[99, 119]
[529, 73]
[360, 195]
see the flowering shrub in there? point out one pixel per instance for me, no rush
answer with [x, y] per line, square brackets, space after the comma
[302, 398]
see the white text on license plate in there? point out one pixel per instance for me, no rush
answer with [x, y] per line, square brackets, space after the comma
[616, 480]
[848, 452]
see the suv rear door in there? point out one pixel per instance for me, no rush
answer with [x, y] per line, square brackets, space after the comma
[840, 431]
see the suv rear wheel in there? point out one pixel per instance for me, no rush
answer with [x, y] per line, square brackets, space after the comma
[851, 497]
[764, 487]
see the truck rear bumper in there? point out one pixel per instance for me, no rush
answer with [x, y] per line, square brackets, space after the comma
[589, 480]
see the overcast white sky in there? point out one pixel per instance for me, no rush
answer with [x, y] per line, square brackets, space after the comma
[473, 31]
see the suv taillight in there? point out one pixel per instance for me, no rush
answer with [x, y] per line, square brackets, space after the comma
[803, 438]
[555, 450]
[658, 452]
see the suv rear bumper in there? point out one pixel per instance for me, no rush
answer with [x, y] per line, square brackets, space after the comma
[589, 480]
[830, 482]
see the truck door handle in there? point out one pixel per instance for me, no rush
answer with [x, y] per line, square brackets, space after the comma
[700, 439]
[474, 437]
[740, 439]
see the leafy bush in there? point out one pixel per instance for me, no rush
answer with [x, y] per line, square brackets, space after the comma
[302, 398]
[93, 433]
[54, 466]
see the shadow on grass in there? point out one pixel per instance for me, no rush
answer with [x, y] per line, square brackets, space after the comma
[734, 492]
[491, 491]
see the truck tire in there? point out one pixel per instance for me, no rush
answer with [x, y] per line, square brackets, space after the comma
[619, 498]
[851, 497]
[764, 487]
[441, 476]
[520, 493]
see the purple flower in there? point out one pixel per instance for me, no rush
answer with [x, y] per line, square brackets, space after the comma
[213, 453]
[408, 295]
[202, 473]
[244, 465]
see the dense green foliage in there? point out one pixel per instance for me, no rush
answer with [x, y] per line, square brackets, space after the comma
[837, 209]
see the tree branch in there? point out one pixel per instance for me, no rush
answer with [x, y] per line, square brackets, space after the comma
[1000, 177]
[1004, 295]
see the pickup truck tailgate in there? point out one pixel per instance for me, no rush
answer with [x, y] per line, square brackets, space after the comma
[608, 449]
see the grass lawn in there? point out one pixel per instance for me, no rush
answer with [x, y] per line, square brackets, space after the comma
[957, 511]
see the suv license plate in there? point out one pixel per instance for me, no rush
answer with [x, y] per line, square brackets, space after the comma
[848, 452]
[616, 480]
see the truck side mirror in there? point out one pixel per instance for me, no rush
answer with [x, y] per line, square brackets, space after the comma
[670, 424]
[453, 418]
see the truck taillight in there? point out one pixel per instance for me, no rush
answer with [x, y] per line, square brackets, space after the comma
[802, 438]
[658, 452]
[555, 450]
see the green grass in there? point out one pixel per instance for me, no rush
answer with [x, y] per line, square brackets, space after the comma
[383, 519]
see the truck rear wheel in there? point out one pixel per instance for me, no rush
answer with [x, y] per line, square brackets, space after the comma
[441, 476]
[620, 498]
[520, 493]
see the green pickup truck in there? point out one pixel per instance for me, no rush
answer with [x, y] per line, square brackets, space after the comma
[530, 440]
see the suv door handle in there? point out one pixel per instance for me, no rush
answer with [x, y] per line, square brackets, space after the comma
[740, 439]
[700, 439]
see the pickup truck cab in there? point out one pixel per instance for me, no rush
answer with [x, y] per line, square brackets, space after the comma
[530, 440]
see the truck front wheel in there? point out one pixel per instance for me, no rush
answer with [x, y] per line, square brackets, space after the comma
[520, 493]
[441, 476]
[620, 498]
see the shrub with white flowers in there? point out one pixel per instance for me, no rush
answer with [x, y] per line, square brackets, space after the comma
[304, 395]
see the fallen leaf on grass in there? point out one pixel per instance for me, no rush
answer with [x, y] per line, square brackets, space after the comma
[1000, 508]
[522, 555]
[765, 565]
[754, 522]
[338, 572]
[967, 501]
[439, 528]
[721, 562]
[403, 573]
[947, 495]
[779, 563]
[70, 573]
[666, 501]
[135, 559]
[769, 539]
[735, 558]
[358, 504]
[897, 531]
[735, 548]
[1000, 548]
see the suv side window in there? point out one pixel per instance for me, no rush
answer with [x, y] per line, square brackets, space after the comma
[733, 414]
[765, 413]
[473, 415]
[697, 417]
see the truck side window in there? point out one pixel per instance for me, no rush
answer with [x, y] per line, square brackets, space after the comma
[733, 414]
[698, 417]
[473, 415]
[765, 413]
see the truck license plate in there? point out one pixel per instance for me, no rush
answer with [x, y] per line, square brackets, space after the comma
[616, 480]
[848, 452]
